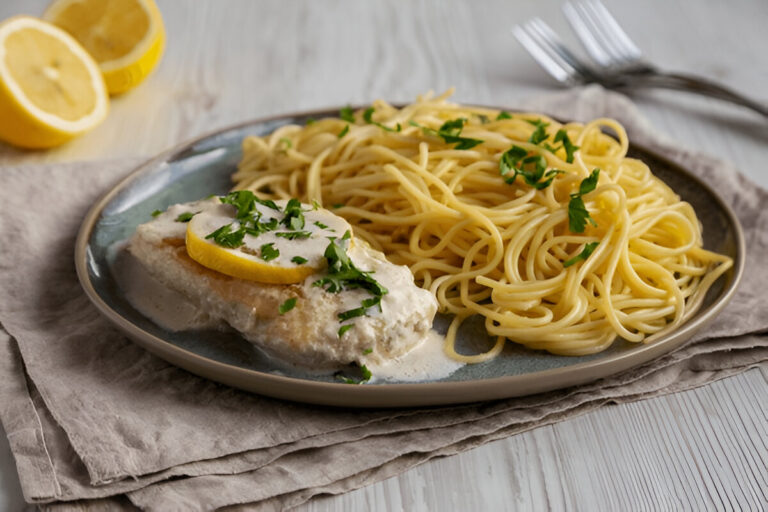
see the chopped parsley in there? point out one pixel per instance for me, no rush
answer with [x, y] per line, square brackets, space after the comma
[578, 215]
[337, 206]
[310, 120]
[285, 143]
[293, 235]
[299, 260]
[450, 131]
[503, 115]
[186, 216]
[287, 305]
[368, 118]
[320, 225]
[367, 351]
[347, 114]
[344, 131]
[531, 167]
[539, 135]
[268, 252]
[225, 237]
[345, 328]
[570, 147]
[583, 255]
[483, 118]
[315, 205]
[365, 376]
[294, 215]
[157, 212]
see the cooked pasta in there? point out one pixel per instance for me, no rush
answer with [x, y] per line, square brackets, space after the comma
[549, 231]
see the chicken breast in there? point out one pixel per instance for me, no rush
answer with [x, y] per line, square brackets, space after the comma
[309, 333]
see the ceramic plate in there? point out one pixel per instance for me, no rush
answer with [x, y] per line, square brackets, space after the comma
[203, 167]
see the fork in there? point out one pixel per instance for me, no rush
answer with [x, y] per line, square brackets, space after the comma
[620, 61]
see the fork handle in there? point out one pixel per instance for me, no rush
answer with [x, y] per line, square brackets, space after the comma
[682, 82]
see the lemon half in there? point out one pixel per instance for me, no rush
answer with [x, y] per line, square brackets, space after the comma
[125, 37]
[51, 90]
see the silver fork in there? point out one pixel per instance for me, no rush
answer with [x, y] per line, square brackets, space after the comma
[621, 65]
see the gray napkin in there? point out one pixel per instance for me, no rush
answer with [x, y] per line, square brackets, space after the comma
[94, 420]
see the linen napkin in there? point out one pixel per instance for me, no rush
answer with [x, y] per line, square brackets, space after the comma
[93, 420]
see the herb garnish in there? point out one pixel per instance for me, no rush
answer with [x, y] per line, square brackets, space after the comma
[347, 114]
[345, 328]
[285, 143]
[156, 213]
[186, 216]
[583, 255]
[450, 131]
[268, 252]
[299, 260]
[364, 371]
[503, 115]
[293, 235]
[578, 216]
[287, 305]
[367, 351]
[344, 131]
[320, 225]
[294, 215]
[225, 237]
[532, 168]
[368, 118]
[483, 118]
[570, 148]
[539, 135]
[310, 120]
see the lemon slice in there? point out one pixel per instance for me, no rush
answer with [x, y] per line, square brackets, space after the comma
[51, 90]
[274, 256]
[126, 37]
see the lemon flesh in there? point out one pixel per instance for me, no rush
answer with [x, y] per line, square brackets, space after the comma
[250, 261]
[51, 90]
[126, 37]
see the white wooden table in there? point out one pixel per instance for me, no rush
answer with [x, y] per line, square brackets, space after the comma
[235, 60]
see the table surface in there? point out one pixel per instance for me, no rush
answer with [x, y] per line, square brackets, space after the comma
[232, 61]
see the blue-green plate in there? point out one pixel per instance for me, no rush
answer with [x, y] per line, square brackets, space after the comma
[204, 166]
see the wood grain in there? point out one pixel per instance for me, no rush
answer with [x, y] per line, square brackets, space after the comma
[227, 62]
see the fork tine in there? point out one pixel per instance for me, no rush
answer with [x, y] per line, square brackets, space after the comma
[600, 33]
[551, 40]
[552, 63]
[612, 26]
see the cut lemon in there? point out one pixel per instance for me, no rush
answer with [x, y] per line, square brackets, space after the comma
[51, 90]
[278, 254]
[126, 37]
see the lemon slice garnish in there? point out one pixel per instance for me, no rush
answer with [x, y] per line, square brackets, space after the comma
[287, 260]
[125, 37]
[51, 90]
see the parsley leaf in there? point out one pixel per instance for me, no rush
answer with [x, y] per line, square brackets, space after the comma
[299, 260]
[347, 114]
[310, 120]
[268, 252]
[368, 118]
[294, 215]
[285, 143]
[287, 305]
[225, 237]
[243, 200]
[532, 168]
[345, 328]
[156, 213]
[367, 351]
[578, 215]
[293, 235]
[450, 132]
[539, 135]
[483, 118]
[320, 225]
[344, 131]
[364, 372]
[186, 216]
[503, 115]
[570, 148]
[583, 255]
[344, 275]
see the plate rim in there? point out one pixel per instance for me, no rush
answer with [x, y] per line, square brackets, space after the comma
[394, 394]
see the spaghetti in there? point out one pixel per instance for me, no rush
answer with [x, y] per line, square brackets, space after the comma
[549, 231]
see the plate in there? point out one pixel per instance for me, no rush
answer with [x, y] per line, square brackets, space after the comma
[202, 167]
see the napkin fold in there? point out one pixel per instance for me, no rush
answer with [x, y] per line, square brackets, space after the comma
[94, 420]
